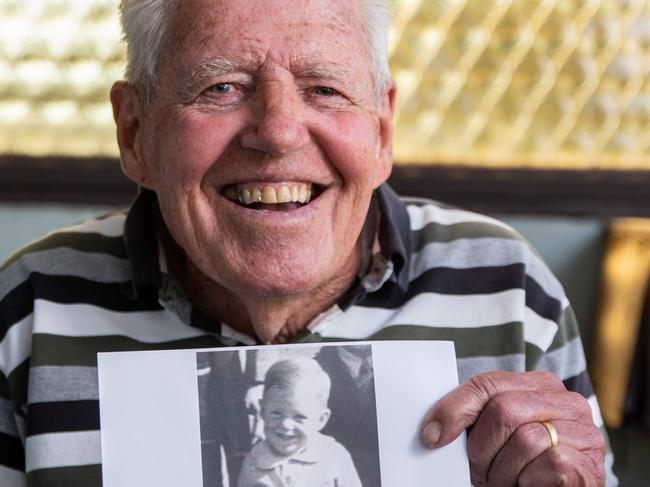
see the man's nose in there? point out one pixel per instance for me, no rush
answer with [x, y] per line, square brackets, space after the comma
[278, 125]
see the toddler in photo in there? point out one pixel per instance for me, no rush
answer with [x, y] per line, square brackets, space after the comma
[294, 453]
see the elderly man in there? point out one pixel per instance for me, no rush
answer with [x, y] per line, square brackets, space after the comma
[259, 133]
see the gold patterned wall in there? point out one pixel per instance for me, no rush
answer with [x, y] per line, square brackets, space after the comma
[546, 83]
[58, 59]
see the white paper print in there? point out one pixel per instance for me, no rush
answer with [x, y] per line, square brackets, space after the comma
[309, 415]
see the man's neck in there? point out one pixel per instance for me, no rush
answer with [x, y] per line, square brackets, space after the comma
[268, 319]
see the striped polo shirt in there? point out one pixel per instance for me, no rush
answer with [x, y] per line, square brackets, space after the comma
[442, 274]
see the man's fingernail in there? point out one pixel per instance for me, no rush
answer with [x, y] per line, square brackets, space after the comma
[431, 434]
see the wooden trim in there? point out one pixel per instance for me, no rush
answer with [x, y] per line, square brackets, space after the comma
[530, 191]
[625, 279]
[513, 191]
[64, 180]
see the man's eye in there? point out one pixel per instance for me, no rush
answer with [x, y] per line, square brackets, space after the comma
[325, 91]
[224, 95]
[221, 88]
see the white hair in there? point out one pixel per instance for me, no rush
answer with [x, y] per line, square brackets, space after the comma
[376, 19]
[144, 23]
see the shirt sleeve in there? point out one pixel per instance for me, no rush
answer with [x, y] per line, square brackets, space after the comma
[565, 357]
[16, 316]
[12, 453]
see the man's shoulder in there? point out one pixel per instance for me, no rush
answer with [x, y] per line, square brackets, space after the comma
[87, 249]
[433, 220]
[454, 237]
[472, 244]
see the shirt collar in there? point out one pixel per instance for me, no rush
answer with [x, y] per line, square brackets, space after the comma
[395, 233]
[141, 242]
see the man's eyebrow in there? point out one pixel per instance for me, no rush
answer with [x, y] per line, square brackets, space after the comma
[324, 71]
[209, 69]
[340, 75]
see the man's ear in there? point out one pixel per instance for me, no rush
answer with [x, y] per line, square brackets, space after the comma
[386, 111]
[127, 114]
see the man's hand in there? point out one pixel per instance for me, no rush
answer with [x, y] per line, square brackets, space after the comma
[507, 444]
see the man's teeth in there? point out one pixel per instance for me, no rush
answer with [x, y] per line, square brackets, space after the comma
[295, 193]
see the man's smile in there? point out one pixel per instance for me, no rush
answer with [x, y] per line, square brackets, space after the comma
[284, 196]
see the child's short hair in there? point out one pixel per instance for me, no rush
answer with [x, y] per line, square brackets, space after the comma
[299, 373]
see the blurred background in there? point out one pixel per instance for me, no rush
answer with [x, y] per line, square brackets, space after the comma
[534, 111]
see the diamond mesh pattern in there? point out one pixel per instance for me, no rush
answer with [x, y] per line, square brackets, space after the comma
[552, 83]
[562, 83]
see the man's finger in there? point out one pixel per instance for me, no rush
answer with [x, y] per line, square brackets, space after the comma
[562, 466]
[507, 411]
[525, 445]
[530, 441]
[461, 408]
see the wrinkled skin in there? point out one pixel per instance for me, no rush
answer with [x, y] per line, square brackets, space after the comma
[507, 444]
[298, 104]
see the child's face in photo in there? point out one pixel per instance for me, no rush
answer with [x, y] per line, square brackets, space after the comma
[291, 418]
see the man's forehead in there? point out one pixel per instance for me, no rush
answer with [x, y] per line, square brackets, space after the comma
[213, 37]
[195, 16]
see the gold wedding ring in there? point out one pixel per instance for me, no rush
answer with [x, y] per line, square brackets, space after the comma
[552, 433]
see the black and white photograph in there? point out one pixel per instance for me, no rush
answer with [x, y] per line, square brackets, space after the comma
[298, 418]
[301, 415]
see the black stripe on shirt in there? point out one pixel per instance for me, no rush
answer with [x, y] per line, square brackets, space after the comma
[18, 382]
[540, 302]
[580, 383]
[12, 454]
[107, 295]
[56, 417]
[443, 280]
[16, 305]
